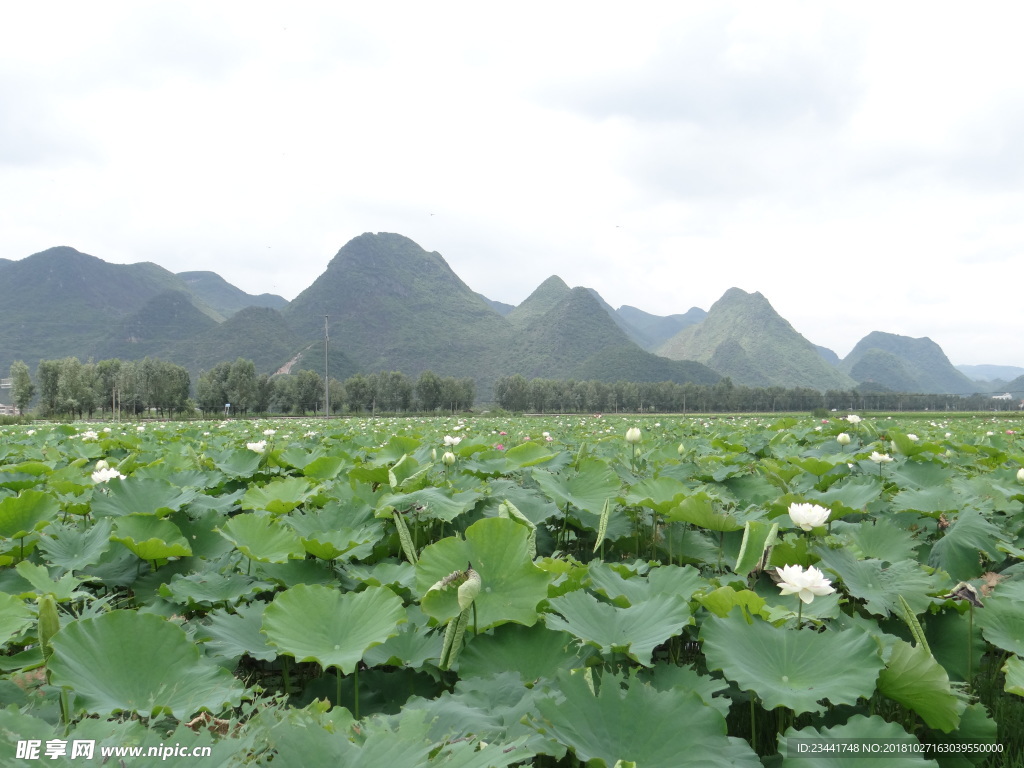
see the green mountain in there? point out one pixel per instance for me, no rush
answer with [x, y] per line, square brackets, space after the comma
[224, 297]
[744, 338]
[394, 306]
[991, 372]
[498, 306]
[1015, 387]
[259, 334]
[164, 320]
[651, 331]
[578, 339]
[903, 364]
[61, 302]
[544, 298]
[630, 363]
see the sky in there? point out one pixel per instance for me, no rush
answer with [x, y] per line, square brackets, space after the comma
[860, 165]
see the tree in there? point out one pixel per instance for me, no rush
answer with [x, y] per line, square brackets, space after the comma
[241, 385]
[309, 390]
[428, 391]
[22, 388]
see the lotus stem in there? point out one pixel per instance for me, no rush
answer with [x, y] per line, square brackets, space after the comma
[753, 722]
[970, 640]
[284, 675]
[799, 613]
[355, 692]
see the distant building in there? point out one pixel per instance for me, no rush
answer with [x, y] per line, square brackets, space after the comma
[1004, 396]
[5, 408]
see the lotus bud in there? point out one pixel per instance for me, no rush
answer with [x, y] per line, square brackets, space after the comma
[49, 623]
[448, 459]
[843, 439]
[1020, 475]
[633, 435]
[681, 449]
[469, 589]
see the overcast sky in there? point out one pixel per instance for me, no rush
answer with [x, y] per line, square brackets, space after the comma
[860, 165]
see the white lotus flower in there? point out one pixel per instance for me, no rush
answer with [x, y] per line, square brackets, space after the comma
[1020, 475]
[880, 458]
[808, 516]
[259, 447]
[843, 439]
[633, 435]
[269, 432]
[104, 474]
[449, 440]
[853, 418]
[805, 584]
[912, 438]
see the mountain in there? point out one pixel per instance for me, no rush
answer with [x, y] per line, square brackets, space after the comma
[1015, 387]
[5, 262]
[903, 364]
[259, 334]
[827, 354]
[61, 302]
[394, 306]
[544, 298]
[991, 372]
[743, 337]
[498, 306]
[164, 320]
[223, 296]
[630, 363]
[651, 331]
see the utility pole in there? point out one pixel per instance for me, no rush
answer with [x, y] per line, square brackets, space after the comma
[327, 376]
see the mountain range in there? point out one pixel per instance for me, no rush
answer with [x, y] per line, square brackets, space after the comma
[387, 304]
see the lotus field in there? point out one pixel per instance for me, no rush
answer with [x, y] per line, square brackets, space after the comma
[516, 591]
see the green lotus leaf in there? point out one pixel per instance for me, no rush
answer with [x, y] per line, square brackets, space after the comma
[722, 600]
[124, 661]
[587, 489]
[263, 538]
[667, 579]
[15, 617]
[635, 630]
[334, 531]
[669, 677]
[879, 541]
[25, 513]
[136, 495]
[491, 709]
[812, 464]
[428, 503]
[528, 454]
[512, 585]
[792, 668]
[1002, 623]
[957, 552]
[757, 537]
[660, 494]
[1013, 670]
[71, 547]
[880, 585]
[231, 635]
[851, 494]
[38, 576]
[324, 468]
[278, 496]
[412, 647]
[914, 679]
[207, 589]
[531, 652]
[150, 538]
[858, 727]
[238, 462]
[700, 510]
[932, 500]
[332, 628]
[628, 720]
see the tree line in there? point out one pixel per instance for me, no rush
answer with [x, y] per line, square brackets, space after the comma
[71, 388]
[518, 394]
